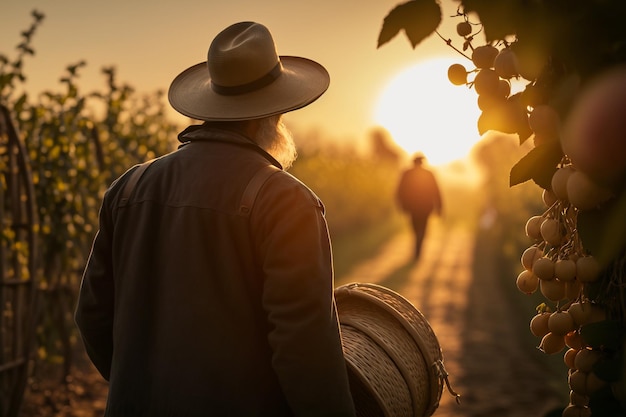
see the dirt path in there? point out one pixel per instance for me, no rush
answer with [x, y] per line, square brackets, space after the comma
[495, 373]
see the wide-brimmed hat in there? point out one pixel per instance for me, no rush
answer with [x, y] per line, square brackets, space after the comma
[245, 78]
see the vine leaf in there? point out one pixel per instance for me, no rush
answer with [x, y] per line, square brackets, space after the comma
[538, 165]
[609, 370]
[418, 18]
[603, 231]
[498, 17]
[602, 334]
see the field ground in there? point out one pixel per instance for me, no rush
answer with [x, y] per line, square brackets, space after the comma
[492, 362]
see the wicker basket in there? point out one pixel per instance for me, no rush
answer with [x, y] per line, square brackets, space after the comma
[395, 363]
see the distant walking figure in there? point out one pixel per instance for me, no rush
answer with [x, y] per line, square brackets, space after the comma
[418, 195]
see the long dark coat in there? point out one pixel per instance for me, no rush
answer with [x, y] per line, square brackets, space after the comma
[418, 192]
[190, 309]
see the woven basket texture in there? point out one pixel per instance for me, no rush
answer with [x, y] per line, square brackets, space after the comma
[390, 350]
[378, 374]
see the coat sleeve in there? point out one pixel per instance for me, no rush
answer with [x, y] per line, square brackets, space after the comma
[94, 310]
[298, 299]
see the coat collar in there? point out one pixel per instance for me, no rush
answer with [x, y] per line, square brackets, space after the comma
[202, 133]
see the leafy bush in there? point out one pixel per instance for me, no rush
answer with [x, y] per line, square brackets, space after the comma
[357, 191]
[74, 155]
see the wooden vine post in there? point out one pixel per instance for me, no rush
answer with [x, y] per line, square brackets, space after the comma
[18, 276]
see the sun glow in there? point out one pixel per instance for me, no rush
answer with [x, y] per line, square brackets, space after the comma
[423, 111]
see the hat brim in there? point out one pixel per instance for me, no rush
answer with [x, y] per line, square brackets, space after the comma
[301, 82]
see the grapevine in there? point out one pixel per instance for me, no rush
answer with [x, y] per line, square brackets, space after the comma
[557, 263]
[565, 91]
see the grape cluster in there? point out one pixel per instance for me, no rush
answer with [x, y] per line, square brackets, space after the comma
[590, 175]
[558, 266]
[492, 74]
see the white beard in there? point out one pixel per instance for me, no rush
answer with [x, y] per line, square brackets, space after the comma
[274, 137]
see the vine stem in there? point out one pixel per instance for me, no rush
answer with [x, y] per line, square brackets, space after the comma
[449, 43]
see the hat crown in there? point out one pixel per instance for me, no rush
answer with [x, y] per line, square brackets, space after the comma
[244, 78]
[241, 54]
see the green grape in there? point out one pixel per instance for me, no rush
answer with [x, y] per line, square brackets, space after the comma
[464, 29]
[457, 74]
[484, 56]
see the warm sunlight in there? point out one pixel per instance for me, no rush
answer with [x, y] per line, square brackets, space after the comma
[424, 111]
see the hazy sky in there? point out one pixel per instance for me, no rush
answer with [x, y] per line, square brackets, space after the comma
[150, 42]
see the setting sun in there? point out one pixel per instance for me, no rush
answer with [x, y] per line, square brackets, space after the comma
[423, 111]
